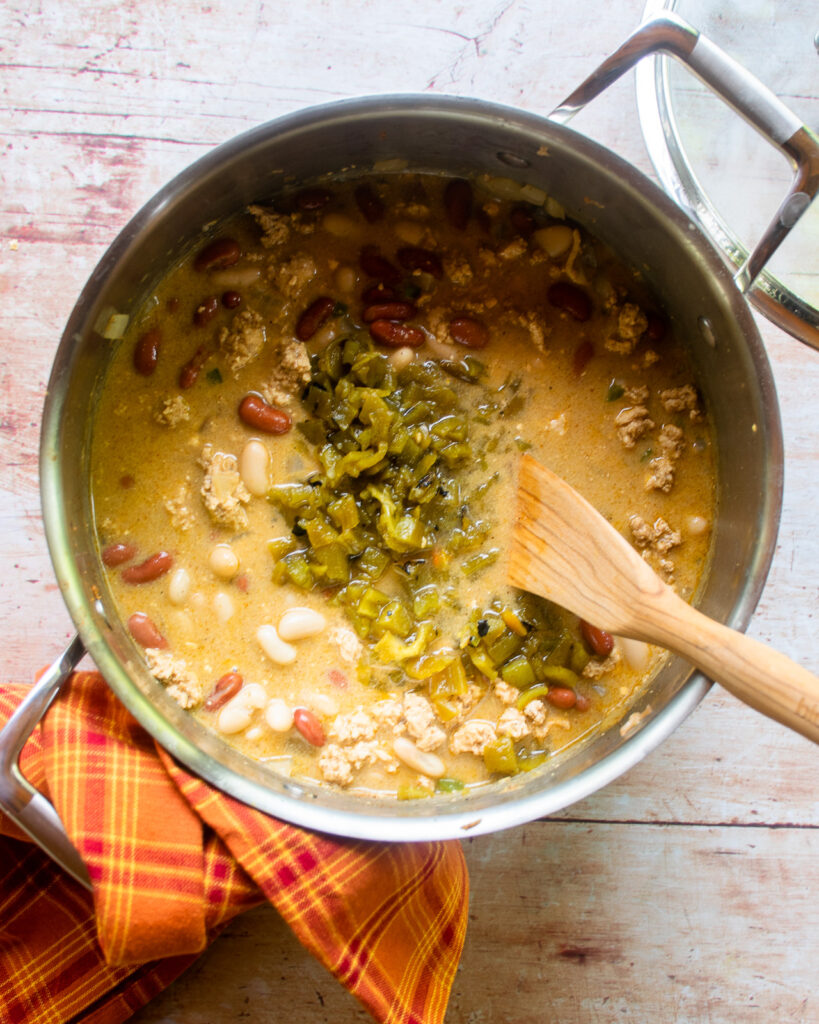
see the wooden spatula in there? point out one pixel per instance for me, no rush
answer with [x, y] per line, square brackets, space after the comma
[564, 550]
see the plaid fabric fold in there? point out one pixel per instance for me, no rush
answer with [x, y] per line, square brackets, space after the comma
[172, 861]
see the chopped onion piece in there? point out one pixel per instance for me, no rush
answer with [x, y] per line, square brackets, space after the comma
[110, 324]
[635, 653]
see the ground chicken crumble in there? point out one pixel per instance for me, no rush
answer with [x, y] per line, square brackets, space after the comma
[223, 492]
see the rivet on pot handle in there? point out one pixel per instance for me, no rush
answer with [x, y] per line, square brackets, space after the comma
[27, 807]
[668, 33]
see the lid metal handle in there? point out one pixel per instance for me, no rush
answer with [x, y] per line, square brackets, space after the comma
[670, 34]
[19, 800]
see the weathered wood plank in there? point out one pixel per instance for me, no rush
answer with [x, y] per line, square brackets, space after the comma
[605, 914]
[573, 923]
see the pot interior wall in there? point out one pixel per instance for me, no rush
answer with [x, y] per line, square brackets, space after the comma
[456, 137]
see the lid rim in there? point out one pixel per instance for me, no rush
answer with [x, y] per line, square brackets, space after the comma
[774, 300]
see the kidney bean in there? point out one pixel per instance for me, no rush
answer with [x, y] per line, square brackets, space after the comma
[312, 198]
[231, 299]
[583, 703]
[395, 335]
[469, 332]
[571, 299]
[657, 327]
[375, 265]
[562, 697]
[143, 630]
[315, 316]
[256, 413]
[149, 570]
[388, 311]
[601, 642]
[226, 688]
[337, 678]
[413, 257]
[582, 354]
[483, 220]
[369, 203]
[458, 203]
[378, 293]
[189, 373]
[309, 726]
[218, 255]
[146, 352]
[206, 311]
[117, 554]
[523, 221]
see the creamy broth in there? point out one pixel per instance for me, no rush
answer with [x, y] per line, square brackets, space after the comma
[400, 663]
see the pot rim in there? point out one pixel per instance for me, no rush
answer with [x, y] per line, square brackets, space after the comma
[297, 803]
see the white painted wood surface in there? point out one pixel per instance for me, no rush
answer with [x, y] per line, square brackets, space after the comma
[683, 892]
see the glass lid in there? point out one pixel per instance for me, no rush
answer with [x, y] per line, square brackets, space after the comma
[715, 165]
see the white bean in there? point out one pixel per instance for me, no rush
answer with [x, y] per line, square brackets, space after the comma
[179, 586]
[409, 231]
[224, 561]
[255, 733]
[335, 326]
[554, 240]
[237, 714]
[340, 225]
[401, 357]
[278, 715]
[346, 279]
[254, 464]
[697, 525]
[253, 694]
[635, 653]
[234, 277]
[234, 717]
[274, 647]
[223, 606]
[324, 704]
[298, 623]
[183, 623]
[419, 760]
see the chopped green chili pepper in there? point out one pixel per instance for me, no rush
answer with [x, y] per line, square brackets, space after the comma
[389, 498]
[559, 675]
[481, 561]
[448, 785]
[412, 791]
[518, 672]
[500, 758]
[527, 761]
[533, 693]
[507, 645]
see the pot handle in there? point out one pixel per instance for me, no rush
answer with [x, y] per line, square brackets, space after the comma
[25, 805]
[668, 33]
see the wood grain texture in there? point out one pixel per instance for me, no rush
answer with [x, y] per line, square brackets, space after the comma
[539, 948]
[564, 550]
[681, 892]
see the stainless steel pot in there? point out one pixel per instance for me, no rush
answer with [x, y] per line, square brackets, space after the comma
[455, 137]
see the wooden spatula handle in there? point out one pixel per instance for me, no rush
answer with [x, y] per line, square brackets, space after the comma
[758, 675]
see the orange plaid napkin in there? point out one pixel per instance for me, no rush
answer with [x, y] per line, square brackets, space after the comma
[173, 860]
